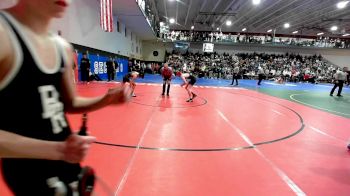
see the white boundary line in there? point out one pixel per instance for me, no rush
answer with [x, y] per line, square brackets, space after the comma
[131, 161]
[277, 112]
[325, 134]
[282, 174]
[276, 84]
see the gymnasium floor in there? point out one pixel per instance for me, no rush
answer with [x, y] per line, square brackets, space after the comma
[247, 140]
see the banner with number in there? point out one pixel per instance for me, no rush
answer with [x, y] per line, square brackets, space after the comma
[98, 66]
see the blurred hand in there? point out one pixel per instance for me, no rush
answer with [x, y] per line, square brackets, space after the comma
[75, 148]
[119, 95]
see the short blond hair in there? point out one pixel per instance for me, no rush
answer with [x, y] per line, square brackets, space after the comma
[135, 73]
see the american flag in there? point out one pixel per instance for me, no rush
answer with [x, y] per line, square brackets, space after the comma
[106, 18]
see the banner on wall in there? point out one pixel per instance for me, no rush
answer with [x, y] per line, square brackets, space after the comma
[98, 66]
[106, 15]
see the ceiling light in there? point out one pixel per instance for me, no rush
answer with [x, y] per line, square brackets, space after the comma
[161, 24]
[172, 20]
[192, 27]
[244, 29]
[334, 28]
[320, 33]
[286, 25]
[346, 35]
[228, 23]
[295, 32]
[217, 28]
[269, 30]
[256, 2]
[342, 4]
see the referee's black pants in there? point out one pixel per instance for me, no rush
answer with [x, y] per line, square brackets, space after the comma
[234, 77]
[339, 84]
[261, 77]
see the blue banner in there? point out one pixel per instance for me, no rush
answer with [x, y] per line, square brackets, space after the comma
[98, 66]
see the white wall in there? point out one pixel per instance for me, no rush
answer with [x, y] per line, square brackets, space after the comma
[339, 57]
[149, 47]
[81, 25]
[342, 61]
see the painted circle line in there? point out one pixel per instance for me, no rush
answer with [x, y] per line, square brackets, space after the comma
[254, 145]
[324, 109]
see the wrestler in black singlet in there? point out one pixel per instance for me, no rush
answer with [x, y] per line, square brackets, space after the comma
[38, 113]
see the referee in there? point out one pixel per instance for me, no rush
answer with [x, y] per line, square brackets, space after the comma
[339, 79]
[261, 74]
[235, 73]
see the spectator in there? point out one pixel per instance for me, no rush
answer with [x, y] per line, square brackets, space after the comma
[84, 68]
[110, 69]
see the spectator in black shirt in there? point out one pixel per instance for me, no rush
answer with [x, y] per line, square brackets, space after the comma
[110, 69]
[116, 66]
[84, 68]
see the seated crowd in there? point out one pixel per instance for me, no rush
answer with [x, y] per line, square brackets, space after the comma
[278, 67]
[198, 36]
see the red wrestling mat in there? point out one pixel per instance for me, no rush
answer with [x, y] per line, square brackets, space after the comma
[226, 142]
